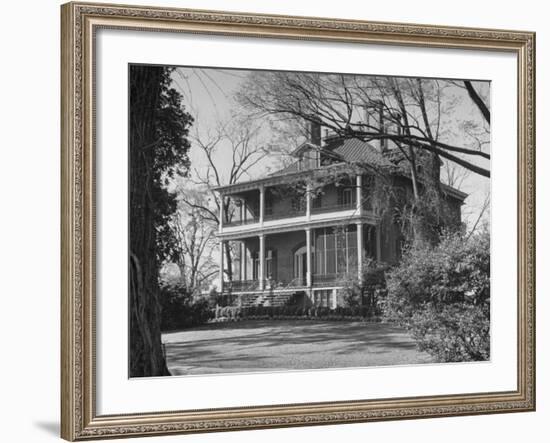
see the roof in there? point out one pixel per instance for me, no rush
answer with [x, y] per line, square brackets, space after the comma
[353, 150]
[453, 192]
[347, 151]
[279, 178]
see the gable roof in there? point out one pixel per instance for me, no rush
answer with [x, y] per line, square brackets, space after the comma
[349, 150]
[353, 150]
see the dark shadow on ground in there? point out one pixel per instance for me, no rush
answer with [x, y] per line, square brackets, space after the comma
[288, 344]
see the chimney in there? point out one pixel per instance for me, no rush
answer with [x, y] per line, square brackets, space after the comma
[315, 133]
[382, 128]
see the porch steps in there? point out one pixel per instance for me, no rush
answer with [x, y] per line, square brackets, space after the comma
[265, 299]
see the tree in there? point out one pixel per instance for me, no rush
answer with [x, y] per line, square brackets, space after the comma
[158, 153]
[192, 247]
[241, 140]
[337, 100]
[408, 113]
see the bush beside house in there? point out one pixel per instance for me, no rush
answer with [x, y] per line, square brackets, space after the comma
[441, 294]
[179, 309]
[237, 313]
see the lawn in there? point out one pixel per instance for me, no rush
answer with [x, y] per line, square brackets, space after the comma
[251, 346]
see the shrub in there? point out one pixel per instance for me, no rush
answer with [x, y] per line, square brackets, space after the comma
[457, 332]
[180, 310]
[441, 294]
[367, 291]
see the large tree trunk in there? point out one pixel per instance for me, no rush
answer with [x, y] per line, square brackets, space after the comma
[146, 356]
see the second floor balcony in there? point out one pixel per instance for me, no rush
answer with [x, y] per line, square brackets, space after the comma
[265, 205]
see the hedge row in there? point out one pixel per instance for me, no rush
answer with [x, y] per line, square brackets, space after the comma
[292, 312]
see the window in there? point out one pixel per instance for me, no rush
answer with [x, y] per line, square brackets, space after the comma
[336, 251]
[298, 203]
[317, 201]
[268, 206]
[346, 197]
[320, 251]
[256, 266]
[271, 264]
[311, 159]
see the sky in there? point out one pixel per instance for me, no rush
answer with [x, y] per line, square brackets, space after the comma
[209, 96]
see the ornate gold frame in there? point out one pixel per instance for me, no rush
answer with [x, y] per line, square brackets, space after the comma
[79, 420]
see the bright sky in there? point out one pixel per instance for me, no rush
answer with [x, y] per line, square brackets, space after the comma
[208, 96]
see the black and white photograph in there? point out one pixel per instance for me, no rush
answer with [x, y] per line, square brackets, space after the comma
[285, 221]
[234, 221]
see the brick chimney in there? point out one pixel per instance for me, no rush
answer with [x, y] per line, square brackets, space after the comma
[382, 128]
[315, 133]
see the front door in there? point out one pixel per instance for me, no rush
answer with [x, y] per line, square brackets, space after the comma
[300, 266]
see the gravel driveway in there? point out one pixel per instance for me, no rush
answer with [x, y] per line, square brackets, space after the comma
[252, 346]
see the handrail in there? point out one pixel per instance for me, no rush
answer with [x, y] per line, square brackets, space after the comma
[248, 221]
[330, 208]
[287, 214]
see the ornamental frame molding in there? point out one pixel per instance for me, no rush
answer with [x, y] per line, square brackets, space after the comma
[80, 21]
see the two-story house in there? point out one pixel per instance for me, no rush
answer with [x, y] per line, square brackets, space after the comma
[308, 228]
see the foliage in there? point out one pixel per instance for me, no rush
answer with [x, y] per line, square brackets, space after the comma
[158, 152]
[453, 333]
[350, 105]
[181, 310]
[441, 294]
[168, 158]
[292, 312]
[370, 290]
[192, 249]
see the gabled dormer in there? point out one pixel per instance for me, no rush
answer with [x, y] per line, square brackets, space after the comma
[316, 152]
[310, 157]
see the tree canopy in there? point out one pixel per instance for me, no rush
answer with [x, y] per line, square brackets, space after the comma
[158, 152]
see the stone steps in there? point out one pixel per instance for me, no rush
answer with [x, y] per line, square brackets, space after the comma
[264, 299]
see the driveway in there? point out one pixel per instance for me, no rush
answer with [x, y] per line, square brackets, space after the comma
[251, 346]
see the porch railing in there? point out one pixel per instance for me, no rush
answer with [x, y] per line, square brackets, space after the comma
[243, 285]
[323, 279]
[269, 215]
[333, 208]
[248, 221]
[298, 282]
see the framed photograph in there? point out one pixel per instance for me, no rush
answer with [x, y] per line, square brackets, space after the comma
[277, 221]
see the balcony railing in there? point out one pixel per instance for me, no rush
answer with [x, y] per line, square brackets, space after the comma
[333, 208]
[248, 221]
[291, 213]
[270, 215]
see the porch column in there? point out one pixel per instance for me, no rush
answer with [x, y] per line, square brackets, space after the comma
[308, 258]
[262, 261]
[359, 194]
[360, 250]
[220, 224]
[308, 201]
[262, 204]
[378, 242]
[222, 248]
[243, 260]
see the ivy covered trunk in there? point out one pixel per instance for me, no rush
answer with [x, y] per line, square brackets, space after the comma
[146, 356]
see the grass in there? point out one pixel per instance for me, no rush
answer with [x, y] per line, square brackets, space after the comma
[251, 346]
